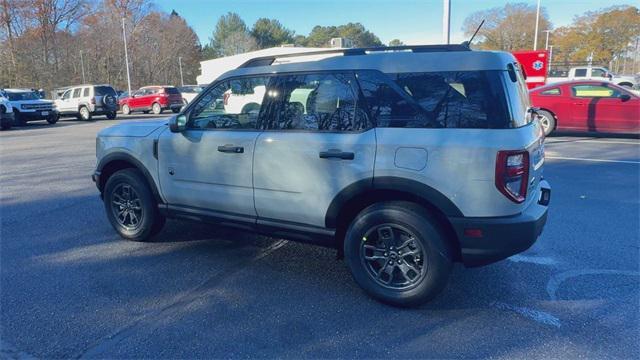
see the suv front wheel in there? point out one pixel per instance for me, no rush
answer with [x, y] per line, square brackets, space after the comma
[85, 114]
[397, 253]
[131, 207]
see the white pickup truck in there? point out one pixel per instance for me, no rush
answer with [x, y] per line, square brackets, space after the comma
[594, 73]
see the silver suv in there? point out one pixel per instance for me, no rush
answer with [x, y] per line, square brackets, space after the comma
[405, 160]
[86, 101]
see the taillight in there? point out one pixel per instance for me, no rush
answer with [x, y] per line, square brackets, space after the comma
[512, 174]
[93, 100]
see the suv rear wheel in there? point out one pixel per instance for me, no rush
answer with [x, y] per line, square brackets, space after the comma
[156, 108]
[85, 114]
[397, 253]
[131, 207]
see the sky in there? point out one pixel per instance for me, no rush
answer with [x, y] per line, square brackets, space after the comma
[411, 21]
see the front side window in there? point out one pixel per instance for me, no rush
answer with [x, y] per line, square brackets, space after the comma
[597, 91]
[455, 99]
[67, 95]
[76, 93]
[230, 104]
[315, 102]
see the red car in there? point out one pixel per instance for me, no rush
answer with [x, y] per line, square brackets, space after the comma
[152, 98]
[589, 105]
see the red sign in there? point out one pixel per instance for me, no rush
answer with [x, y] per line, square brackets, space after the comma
[535, 65]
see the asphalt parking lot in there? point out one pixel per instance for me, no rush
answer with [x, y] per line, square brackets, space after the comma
[72, 288]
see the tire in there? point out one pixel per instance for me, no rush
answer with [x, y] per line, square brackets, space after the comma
[126, 110]
[85, 114]
[156, 108]
[5, 125]
[53, 118]
[175, 110]
[18, 119]
[414, 250]
[111, 115]
[149, 220]
[548, 121]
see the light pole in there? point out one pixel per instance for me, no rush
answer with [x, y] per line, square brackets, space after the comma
[82, 66]
[546, 43]
[180, 64]
[126, 56]
[535, 35]
[550, 58]
[446, 19]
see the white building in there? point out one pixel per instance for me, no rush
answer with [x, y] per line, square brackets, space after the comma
[212, 69]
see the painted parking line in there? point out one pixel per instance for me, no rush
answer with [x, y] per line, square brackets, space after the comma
[593, 160]
[637, 143]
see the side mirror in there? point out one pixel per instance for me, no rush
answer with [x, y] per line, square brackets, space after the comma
[625, 97]
[178, 123]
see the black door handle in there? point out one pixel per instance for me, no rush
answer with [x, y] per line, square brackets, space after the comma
[337, 154]
[231, 149]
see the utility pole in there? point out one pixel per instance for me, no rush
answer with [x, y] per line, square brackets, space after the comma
[546, 43]
[446, 19]
[82, 66]
[180, 64]
[635, 62]
[126, 56]
[550, 57]
[535, 35]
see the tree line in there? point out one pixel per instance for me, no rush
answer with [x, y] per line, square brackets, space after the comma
[608, 35]
[53, 43]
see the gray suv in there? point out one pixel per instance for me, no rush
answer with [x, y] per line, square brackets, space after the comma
[404, 159]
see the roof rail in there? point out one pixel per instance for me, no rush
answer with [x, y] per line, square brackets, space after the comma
[268, 60]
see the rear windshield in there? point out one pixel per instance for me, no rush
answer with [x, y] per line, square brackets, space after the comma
[451, 99]
[23, 95]
[104, 90]
[171, 90]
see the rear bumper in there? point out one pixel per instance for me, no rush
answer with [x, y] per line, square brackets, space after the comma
[501, 237]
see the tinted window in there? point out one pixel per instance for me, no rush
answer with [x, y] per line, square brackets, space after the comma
[76, 92]
[473, 99]
[580, 73]
[232, 104]
[190, 89]
[85, 93]
[594, 91]
[171, 90]
[598, 73]
[386, 104]
[554, 91]
[104, 90]
[323, 102]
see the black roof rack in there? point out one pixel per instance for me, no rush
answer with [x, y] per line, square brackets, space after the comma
[268, 60]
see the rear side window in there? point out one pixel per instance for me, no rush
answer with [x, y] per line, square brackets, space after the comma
[594, 91]
[171, 90]
[85, 92]
[468, 99]
[314, 102]
[554, 91]
[580, 73]
[104, 90]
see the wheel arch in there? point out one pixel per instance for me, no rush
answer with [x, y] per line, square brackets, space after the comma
[119, 161]
[555, 117]
[361, 194]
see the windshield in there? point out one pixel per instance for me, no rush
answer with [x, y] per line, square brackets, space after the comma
[23, 95]
[190, 89]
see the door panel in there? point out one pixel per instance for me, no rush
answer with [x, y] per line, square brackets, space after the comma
[194, 173]
[317, 146]
[293, 183]
[599, 108]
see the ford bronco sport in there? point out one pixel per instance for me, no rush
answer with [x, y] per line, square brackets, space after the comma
[28, 106]
[405, 160]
